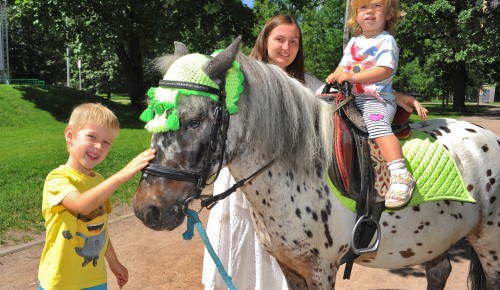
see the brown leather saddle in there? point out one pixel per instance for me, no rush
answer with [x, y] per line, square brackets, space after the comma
[352, 171]
[352, 148]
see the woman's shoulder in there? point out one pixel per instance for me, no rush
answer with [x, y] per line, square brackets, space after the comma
[312, 82]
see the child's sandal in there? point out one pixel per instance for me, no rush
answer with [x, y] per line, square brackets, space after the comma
[398, 198]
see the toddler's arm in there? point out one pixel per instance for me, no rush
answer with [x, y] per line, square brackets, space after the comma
[373, 75]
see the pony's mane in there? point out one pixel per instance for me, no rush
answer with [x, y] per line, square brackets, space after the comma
[284, 116]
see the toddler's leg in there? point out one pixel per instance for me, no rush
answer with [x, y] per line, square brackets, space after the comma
[402, 182]
[378, 117]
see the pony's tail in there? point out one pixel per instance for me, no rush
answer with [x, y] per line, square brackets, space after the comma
[477, 278]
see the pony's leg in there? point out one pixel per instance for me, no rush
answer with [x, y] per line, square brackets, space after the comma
[437, 272]
[294, 280]
[321, 275]
[484, 271]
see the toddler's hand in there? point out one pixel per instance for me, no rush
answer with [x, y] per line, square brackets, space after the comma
[331, 78]
[344, 77]
[335, 75]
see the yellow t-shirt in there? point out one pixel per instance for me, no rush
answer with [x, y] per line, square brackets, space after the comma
[73, 255]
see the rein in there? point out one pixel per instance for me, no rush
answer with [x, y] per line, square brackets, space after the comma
[210, 202]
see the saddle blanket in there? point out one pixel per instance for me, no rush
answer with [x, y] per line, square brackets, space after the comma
[437, 175]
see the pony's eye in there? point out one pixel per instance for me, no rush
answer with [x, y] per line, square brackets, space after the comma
[193, 124]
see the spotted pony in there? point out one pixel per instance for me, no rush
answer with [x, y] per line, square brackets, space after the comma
[297, 217]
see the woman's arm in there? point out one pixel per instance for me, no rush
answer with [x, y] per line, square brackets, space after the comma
[408, 102]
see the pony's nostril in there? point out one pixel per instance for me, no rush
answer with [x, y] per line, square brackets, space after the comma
[151, 216]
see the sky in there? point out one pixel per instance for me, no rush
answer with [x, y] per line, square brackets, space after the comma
[249, 3]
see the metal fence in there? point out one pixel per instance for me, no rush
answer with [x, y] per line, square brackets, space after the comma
[22, 82]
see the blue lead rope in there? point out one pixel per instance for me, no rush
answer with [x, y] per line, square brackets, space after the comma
[194, 220]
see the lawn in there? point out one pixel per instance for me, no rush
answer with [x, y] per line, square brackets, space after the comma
[34, 118]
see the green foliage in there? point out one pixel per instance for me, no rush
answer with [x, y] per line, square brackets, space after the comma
[33, 144]
[106, 35]
[452, 41]
[322, 30]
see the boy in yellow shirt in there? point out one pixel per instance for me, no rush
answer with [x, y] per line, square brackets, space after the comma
[76, 205]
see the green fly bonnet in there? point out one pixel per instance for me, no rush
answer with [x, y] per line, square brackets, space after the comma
[185, 77]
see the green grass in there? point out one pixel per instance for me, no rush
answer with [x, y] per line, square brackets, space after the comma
[32, 130]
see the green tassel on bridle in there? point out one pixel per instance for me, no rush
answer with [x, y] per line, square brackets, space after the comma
[161, 114]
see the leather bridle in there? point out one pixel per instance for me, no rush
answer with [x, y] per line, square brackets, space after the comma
[218, 134]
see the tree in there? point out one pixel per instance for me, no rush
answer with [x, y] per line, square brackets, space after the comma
[322, 30]
[35, 51]
[137, 30]
[447, 38]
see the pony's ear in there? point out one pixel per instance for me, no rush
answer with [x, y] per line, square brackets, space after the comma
[217, 67]
[180, 49]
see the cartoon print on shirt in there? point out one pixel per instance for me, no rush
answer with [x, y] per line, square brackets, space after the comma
[90, 235]
[357, 65]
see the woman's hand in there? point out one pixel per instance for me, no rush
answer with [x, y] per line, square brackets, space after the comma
[408, 102]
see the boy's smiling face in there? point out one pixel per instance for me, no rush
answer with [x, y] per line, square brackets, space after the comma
[89, 146]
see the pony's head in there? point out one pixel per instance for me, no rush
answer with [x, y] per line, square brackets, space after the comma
[273, 117]
[188, 115]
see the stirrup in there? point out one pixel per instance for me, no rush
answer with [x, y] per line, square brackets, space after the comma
[399, 198]
[370, 249]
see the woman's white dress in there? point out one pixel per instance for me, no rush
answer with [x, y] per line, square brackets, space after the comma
[234, 240]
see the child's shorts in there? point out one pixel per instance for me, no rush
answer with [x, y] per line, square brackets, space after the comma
[98, 287]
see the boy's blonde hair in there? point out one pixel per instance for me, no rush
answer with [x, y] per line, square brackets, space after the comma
[93, 114]
[391, 8]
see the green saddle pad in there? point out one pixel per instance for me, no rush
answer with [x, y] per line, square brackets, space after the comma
[437, 175]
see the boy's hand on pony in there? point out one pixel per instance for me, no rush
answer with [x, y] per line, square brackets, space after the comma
[136, 165]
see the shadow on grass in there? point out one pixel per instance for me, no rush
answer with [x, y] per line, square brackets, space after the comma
[60, 101]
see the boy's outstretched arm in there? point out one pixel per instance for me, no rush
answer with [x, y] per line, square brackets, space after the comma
[86, 202]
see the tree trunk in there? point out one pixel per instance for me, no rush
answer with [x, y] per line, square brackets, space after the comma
[460, 85]
[131, 62]
[347, 15]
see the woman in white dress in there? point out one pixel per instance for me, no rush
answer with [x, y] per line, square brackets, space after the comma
[229, 227]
